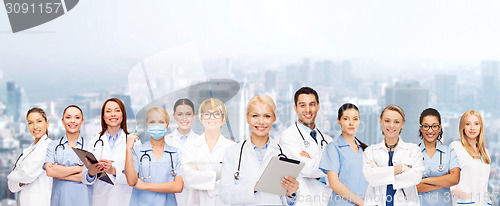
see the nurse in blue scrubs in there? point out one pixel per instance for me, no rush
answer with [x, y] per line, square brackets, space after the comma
[342, 160]
[442, 169]
[153, 168]
[64, 166]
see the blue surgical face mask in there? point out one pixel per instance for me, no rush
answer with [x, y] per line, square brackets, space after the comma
[157, 131]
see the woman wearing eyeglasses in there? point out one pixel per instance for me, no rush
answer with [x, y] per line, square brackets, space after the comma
[153, 167]
[27, 177]
[109, 148]
[442, 169]
[202, 157]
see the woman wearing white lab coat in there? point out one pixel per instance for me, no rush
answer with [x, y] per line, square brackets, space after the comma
[474, 162]
[392, 168]
[202, 157]
[184, 115]
[239, 178]
[28, 178]
[109, 148]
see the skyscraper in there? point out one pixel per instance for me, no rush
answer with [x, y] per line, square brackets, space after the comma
[413, 99]
[446, 89]
[488, 93]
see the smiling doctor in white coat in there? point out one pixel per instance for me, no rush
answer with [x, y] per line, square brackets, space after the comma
[184, 115]
[28, 178]
[201, 162]
[306, 143]
[392, 168]
[109, 147]
[244, 163]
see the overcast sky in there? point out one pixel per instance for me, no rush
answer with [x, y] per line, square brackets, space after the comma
[103, 40]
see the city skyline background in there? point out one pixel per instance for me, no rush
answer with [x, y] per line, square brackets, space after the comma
[414, 54]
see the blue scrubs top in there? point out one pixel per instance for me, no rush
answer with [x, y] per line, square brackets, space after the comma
[449, 161]
[340, 158]
[66, 192]
[159, 173]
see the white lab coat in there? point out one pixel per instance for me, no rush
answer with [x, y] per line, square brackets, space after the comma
[104, 193]
[474, 177]
[173, 139]
[241, 192]
[382, 175]
[28, 170]
[312, 192]
[199, 169]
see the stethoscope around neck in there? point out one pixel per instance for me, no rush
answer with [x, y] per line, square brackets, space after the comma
[146, 155]
[237, 173]
[63, 147]
[440, 167]
[306, 143]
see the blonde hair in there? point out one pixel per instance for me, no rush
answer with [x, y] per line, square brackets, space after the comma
[263, 99]
[212, 104]
[395, 108]
[480, 140]
[160, 110]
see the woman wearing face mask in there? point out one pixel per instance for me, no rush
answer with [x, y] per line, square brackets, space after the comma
[109, 148]
[202, 157]
[474, 162]
[153, 167]
[62, 163]
[392, 168]
[342, 160]
[27, 177]
[245, 162]
[441, 164]
[184, 115]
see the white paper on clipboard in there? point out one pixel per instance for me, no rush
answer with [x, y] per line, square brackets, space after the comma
[277, 169]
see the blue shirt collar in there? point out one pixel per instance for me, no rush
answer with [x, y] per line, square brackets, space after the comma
[342, 143]
[117, 135]
[180, 135]
[146, 147]
[78, 141]
[264, 147]
[303, 127]
[439, 147]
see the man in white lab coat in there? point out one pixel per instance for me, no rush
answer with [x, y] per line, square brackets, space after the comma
[306, 142]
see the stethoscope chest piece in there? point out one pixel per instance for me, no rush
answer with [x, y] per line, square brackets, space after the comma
[173, 173]
[440, 168]
[237, 175]
[306, 143]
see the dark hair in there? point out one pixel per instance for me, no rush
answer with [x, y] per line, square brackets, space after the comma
[347, 106]
[431, 112]
[184, 101]
[123, 125]
[74, 107]
[41, 112]
[305, 90]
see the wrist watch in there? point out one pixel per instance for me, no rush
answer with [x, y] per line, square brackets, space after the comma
[293, 195]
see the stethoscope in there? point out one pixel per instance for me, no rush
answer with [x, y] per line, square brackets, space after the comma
[172, 170]
[440, 167]
[102, 143]
[22, 153]
[62, 145]
[237, 173]
[306, 143]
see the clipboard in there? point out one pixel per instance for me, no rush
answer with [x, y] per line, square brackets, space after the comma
[82, 154]
[277, 169]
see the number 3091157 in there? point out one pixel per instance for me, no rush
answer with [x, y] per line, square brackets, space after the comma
[25, 8]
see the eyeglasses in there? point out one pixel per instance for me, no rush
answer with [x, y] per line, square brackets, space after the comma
[216, 114]
[427, 127]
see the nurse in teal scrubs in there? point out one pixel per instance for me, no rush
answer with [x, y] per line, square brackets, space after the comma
[442, 169]
[342, 160]
[64, 166]
[153, 168]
